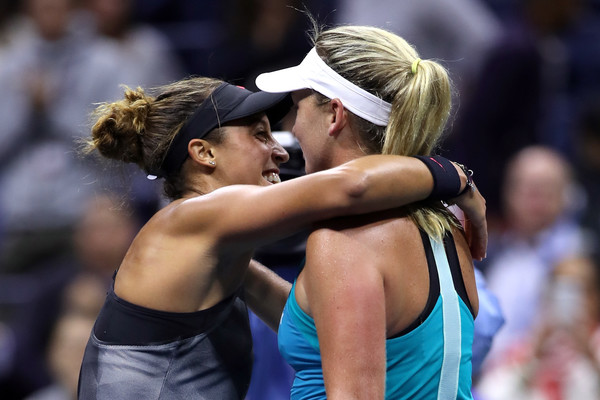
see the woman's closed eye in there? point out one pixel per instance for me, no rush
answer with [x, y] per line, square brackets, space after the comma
[263, 136]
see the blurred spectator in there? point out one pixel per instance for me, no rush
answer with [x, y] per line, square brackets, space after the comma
[235, 39]
[64, 355]
[146, 57]
[50, 77]
[76, 284]
[81, 302]
[263, 35]
[59, 64]
[30, 303]
[103, 235]
[529, 90]
[194, 28]
[541, 231]
[457, 32]
[489, 321]
[560, 360]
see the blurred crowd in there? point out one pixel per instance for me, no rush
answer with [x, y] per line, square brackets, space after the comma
[526, 119]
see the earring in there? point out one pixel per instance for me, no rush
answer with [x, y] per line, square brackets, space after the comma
[212, 163]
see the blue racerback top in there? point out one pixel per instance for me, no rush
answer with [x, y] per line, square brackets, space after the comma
[430, 359]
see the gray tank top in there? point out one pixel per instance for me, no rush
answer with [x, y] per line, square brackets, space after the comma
[215, 363]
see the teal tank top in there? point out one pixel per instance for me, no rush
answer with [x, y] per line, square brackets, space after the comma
[431, 360]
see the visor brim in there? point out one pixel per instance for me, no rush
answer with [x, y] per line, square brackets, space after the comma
[282, 81]
[275, 105]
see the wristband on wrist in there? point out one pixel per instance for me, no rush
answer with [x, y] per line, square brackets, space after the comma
[446, 180]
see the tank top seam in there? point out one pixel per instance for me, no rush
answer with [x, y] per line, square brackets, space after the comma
[169, 369]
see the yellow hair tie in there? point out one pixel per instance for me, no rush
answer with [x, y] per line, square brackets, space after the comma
[414, 66]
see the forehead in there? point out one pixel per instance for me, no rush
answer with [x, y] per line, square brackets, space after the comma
[298, 95]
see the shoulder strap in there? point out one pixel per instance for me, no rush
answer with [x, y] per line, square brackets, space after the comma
[452, 325]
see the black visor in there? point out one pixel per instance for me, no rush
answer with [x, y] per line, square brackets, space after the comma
[226, 103]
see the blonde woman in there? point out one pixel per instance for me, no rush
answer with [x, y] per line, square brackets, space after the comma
[385, 303]
[173, 325]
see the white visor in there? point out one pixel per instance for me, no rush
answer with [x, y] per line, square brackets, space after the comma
[314, 73]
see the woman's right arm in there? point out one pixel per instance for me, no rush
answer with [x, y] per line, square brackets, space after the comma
[265, 293]
[247, 215]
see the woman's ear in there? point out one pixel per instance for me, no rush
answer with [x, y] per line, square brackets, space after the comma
[339, 117]
[202, 152]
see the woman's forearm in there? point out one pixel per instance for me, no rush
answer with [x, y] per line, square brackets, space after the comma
[373, 180]
[265, 293]
[376, 180]
[258, 215]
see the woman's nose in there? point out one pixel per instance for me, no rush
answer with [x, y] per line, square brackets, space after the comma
[280, 155]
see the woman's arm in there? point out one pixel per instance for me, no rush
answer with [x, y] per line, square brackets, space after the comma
[346, 298]
[266, 293]
[245, 215]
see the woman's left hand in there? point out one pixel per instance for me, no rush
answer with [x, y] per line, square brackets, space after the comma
[473, 206]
